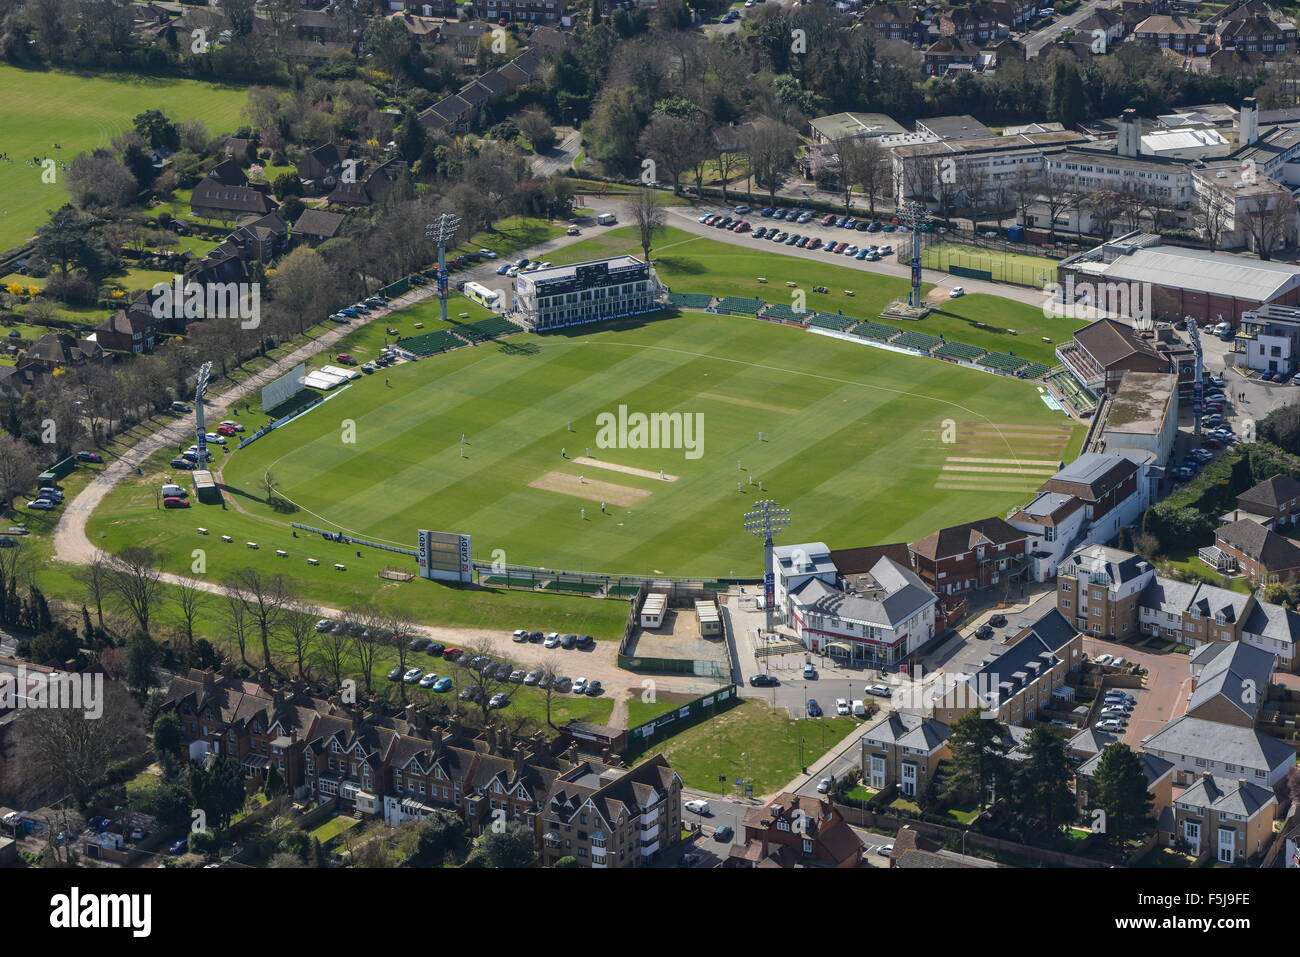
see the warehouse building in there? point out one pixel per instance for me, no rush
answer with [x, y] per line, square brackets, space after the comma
[586, 292]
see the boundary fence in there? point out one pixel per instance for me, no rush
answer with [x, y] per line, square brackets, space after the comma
[684, 716]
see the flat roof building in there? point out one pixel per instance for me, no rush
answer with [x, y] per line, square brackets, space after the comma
[586, 292]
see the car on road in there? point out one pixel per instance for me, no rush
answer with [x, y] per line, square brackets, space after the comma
[841, 706]
[809, 671]
[724, 833]
[814, 709]
[580, 686]
[825, 784]
[884, 850]
[763, 681]
[413, 675]
[395, 674]
[956, 292]
[697, 807]
[882, 691]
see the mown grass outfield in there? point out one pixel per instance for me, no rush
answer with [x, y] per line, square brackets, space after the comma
[690, 263]
[853, 443]
[81, 112]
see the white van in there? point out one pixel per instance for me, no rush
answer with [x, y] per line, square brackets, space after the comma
[859, 709]
[174, 491]
[607, 219]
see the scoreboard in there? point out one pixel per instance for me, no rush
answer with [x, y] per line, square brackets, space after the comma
[445, 556]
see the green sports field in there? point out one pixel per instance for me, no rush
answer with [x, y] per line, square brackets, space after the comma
[81, 112]
[853, 443]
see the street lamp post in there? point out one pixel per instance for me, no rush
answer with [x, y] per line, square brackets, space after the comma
[764, 520]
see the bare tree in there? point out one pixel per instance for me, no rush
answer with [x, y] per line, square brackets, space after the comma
[1213, 216]
[1058, 197]
[300, 630]
[1104, 206]
[1266, 223]
[236, 614]
[93, 577]
[1026, 184]
[972, 187]
[480, 668]
[367, 643]
[18, 469]
[134, 577]
[67, 751]
[550, 671]
[266, 597]
[769, 146]
[190, 599]
[334, 645]
[648, 217]
[674, 143]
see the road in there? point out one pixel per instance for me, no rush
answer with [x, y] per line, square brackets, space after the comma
[1034, 42]
[561, 157]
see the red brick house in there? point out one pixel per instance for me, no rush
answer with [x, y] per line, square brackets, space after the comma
[1260, 553]
[134, 329]
[953, 561]
[792, 830]
[1276, 498]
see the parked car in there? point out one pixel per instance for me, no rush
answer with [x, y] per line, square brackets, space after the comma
[324, 624]
[442, 684]
[413, 675]
[428, 680]
[998, 621]
[763, 681]
[433, 648]
[841, 706]
[814, 709]
[519, 635]
[563, 683]
[585, 641]
[395, 674]
[452, 654]
[697, 807]
[178, 847]
[984, 631]
[418, 644]
[176, 501]
[552, 640]
[568, 641]
[825, 784]
[956, 292]
[580, 686]
[533, 677]
[499, 700]
[1119, 662]
[724, 833]
[89, 457]
[594, 688]
[1103, 659]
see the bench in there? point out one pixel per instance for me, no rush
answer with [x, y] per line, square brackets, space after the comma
[339, 567]
[313, 561]
[226, 538]
[251, 544]
[203, 531]
[282, 553]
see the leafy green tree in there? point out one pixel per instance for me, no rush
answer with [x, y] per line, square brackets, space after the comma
[979, 753]
[274, 785]
[157, 130]
[218, 791]
[170, 804]
[1041, 798]
[509, 847]
[569, 862]
[142, 654]
[287, 184]
[1067, 103]
[70, 238]
[316, 854]
[411, 136]
[1119, 791]
[166, 734]
[440, 832]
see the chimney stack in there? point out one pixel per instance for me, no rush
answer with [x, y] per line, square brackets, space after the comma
[1248, 122]
[1129, 142]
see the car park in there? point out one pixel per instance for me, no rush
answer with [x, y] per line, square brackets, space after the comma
[814, 709]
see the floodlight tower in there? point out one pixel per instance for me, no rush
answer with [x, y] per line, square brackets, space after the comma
[200, 427]
[916, 214]
[765, 519]
[441, 231]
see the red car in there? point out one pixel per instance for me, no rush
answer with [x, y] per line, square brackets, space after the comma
[451, 654]
[175, 502]
[226, 430]
[346, 359]
[741, 227]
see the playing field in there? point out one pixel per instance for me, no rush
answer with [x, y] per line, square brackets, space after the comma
[1020, 268]
[80, 113]
[862, 445]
